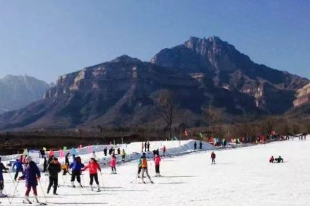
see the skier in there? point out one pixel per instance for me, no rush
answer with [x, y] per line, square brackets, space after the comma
[93, 166]
[94, 155]
[53, 169]
[164, 150]
[113, 164]
[18, 168]
[144, 168]
[105, 151]
[213, 156]
[139, 166]
[32, 175]
[271, 159]
[123, 153]
[195, 145]
[200, 145]
[44, 164]
[42, 153]
[2, 168]
[157, 162]
[145, 146]
[148, 146]
[76, 167]
[111, 151]
[66, 166]
[118, 151]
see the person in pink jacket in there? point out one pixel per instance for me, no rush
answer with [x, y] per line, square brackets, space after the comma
[157, 163]
[113, 164]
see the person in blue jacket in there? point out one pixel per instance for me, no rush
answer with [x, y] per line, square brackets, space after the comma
[76, 168]
[32, 175]
[18, 168]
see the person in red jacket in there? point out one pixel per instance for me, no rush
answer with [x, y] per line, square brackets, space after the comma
[93, 167]
[213, 156]
[271, 160]
[113, 164]
[157, 162]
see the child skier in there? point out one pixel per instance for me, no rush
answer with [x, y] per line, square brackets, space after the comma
[53, 169]
[213, 156]
[113, 164]
[18, 168]
[157, 162]
[144, 168]
[93, 167]
[32, 175]
[76, 167]
[2, 167]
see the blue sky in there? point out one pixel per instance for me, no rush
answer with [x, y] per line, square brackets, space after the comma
[45, 38]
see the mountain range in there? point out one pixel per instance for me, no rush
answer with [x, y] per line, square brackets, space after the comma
[17, 92]
[199, 74]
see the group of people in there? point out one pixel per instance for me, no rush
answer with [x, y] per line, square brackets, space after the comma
[276, 160]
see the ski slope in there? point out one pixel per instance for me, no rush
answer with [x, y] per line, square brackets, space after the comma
[241, 176]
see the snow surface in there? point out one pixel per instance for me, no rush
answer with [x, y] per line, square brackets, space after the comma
[241, 176]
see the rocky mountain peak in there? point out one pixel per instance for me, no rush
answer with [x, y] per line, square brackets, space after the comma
[125, 59]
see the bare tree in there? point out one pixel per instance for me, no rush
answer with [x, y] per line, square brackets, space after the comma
[166, 109]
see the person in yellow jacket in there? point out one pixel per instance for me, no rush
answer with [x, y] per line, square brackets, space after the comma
[123, 154]
[144, 168]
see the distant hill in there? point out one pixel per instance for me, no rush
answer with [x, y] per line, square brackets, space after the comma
[18, 91]
[199, 74]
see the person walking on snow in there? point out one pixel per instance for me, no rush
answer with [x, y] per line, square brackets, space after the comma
[157, 163]
[144, 168]
[195, 145]
[93, 167]
[123, 154]
[32, 175]
[213, 156]
[113, 164]
[76, 167]
[2, 168]
[18, 168]
[53, 169]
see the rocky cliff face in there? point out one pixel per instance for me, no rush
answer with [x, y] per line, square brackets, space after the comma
[303, 96]
[228, 68]
[18, 91]
[126, 91]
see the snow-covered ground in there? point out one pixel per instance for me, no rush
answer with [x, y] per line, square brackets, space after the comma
[241, 176]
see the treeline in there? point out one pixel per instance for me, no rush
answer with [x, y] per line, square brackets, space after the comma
[12, 142]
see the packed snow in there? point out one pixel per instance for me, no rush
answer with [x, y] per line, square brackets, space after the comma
[241, 176]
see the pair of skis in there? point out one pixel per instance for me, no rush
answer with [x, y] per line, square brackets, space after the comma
[28, 202]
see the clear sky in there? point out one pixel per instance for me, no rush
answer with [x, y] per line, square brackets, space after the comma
[48, 38]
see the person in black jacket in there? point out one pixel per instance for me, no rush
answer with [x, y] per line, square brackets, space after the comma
[53, 169]
[105, 151]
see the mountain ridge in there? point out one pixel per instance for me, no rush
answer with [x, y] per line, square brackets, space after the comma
[199, 74]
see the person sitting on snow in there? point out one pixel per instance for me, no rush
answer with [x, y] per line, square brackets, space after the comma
[279, 159]
[271, 159]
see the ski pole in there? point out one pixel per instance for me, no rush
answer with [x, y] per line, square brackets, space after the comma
[15, 189]
[7, 196]
[42, 191]
[102, 180]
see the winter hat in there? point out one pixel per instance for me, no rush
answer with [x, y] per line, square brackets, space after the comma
[28, 158]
